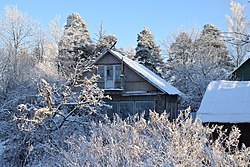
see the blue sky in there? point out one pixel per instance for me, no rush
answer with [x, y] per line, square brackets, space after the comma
[126, 18]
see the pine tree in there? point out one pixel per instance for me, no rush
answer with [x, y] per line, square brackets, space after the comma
[214, 44]
[148, 53]
[195, 61]
[180, 50]
[75, 44]
[179, 58]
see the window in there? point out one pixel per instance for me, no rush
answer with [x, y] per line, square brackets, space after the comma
[110, 76]
[126, 109]
[109, 72]
[130, 108]
[144, 106]
[172, 109]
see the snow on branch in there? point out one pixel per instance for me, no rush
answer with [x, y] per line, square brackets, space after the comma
[236, 38]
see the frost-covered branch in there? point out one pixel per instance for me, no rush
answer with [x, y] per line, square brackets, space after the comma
[158, 141]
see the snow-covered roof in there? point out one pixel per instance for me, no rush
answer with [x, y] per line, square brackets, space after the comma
[226, 102]
[148, 75]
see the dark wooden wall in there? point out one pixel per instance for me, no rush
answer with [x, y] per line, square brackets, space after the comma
[134, 82]
[108, 59]
[243, 72]
[162, 102]
[244, 128]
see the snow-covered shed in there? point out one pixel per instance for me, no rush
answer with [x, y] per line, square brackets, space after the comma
[227, 103]
[133, 87]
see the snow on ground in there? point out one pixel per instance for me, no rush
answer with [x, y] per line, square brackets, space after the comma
[2, 150]
[1, 147]
[226, 101]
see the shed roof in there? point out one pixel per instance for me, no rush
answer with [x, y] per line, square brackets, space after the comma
[226, 102]
[147, 74]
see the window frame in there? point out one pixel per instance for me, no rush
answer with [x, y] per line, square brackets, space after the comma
[112, 79]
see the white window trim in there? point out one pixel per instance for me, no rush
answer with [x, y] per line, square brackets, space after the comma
[105, 76]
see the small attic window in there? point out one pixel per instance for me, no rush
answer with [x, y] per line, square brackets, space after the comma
[110, 75]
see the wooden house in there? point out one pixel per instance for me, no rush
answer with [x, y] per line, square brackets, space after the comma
[227, 103]
[133, 87]
[242, 73]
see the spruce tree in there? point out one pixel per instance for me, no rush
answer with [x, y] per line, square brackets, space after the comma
[75, 44]
[148, 53]
[180, 50]
[211, 46]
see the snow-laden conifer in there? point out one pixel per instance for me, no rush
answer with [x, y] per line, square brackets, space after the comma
[148, 53]
[195, 60]
[74, 45]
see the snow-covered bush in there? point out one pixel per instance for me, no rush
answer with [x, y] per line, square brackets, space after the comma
[50, 134]
[156, 142]
[58, 112]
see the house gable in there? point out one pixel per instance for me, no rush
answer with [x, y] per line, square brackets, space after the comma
[133, 81]
[107, 59]
[142, 71]
[242, 73]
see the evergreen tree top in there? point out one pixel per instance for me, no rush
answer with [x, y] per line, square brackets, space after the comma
[210, 29]
[75, 24]
[212, 36]
[74, 20]
[148, 53]
[146, 39]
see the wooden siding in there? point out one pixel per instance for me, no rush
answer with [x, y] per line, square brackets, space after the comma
[162, 102]
[139, 86]
[134, 82]
[243, 72]
[108, 59]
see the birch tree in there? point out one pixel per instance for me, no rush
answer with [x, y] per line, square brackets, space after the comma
[56, 29]
[48, 47]
[16, 32]
[59, 111]
[238, 27]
